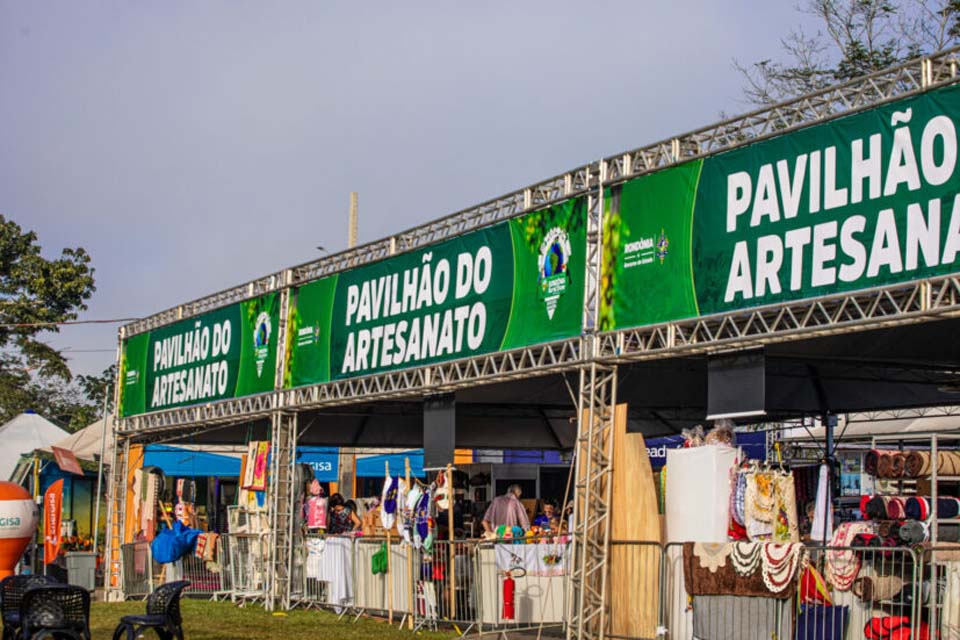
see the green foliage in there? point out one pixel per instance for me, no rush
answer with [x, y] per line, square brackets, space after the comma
[36, 293]
[857, 37]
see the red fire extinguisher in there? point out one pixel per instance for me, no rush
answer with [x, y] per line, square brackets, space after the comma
[509, 586]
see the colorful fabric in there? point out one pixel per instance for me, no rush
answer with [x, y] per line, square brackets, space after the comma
[541, 560]
[316, 507]
[813, 588]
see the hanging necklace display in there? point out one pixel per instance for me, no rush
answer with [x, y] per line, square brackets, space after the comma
[745, 557]
[780, 564]
[712, 556]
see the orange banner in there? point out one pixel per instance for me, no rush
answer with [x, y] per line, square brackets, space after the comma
[52, 513]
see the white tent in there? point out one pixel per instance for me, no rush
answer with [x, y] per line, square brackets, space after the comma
[22, 435]
[85, 444]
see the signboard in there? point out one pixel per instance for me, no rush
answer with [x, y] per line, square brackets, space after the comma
[66, 460]
[511, 285]
[52, 514]
[226, 353]
[325, 461]
[863, 201]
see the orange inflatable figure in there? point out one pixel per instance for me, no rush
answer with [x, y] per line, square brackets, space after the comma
[18, 524]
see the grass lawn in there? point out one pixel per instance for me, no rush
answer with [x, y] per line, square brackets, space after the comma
[204, 620]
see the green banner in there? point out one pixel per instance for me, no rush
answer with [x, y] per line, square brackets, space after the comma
[511, 285]
[226, 353]
[862, 201]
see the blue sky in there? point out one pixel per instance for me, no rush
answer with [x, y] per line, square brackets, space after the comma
[192, 146]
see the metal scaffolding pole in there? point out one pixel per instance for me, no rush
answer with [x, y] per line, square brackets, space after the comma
[594, 473]
[280, 487]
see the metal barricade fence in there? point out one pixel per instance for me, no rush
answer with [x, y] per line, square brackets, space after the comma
[635, 589]
[323, 573]
[539, 572]
[388, 592]
[137, 569]
[938, 591]
[446, 585]
[868, 584]
[248, 556]
[207, 577]
[885, 587]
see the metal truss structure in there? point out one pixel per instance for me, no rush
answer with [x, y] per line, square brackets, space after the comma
[875, 308]
[911, 413]
[595, 355]
[589, 605]
[283, 454]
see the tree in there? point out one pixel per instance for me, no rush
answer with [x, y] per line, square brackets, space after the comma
[36, 295]
[857, 38]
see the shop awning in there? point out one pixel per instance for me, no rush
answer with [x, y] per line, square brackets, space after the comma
[374, 466]
[179, 463]
[325, 461]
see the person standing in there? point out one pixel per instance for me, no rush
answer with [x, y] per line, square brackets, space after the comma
[506, 510]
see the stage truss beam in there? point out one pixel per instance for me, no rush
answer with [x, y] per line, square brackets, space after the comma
[855, 95]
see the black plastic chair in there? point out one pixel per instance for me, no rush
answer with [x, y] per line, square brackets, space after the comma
[55, 611]
[12, 590]
[163, 614]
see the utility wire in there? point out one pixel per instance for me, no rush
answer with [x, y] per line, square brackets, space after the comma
[21, 325]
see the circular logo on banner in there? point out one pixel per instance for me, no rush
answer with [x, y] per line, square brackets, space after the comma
[554, 277]
[261, 340]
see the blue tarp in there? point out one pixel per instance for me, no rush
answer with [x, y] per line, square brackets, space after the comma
[374, 466]
[754, 446]
[181, 463]
[326, 461]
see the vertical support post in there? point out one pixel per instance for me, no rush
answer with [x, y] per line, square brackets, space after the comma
[280, 489]
[389, 577]
[116, 517]
[352, 226]
[594, 261]
[410, 600]
[937, 599]
[103, 444]
[452, 558]
[587, 618]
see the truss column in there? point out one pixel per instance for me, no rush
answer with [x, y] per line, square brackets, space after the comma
[594, 257]
[282, 456]
[587, 618]
[116, 517]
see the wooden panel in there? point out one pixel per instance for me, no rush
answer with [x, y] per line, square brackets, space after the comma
[634, 568]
